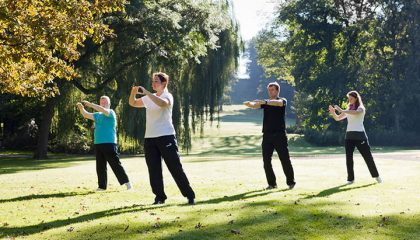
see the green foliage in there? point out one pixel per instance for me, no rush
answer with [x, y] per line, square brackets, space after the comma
[327, 48]
[195, 42]
[39, 41]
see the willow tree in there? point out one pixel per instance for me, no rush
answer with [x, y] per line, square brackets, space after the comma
[195, 42]
[39, 43]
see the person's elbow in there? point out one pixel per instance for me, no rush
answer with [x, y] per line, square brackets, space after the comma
[131, 102]
[163, 104]
[340, 119]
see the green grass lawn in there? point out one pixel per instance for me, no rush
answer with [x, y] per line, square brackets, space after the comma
[53, 199]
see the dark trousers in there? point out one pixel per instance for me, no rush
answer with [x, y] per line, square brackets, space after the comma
[364, 149]
[108, 152]
[165, 147]
[277, 141]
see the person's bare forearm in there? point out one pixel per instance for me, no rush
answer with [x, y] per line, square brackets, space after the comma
[252, 104]
[97, 108]
[275, 103]
[132, 99]
[353, 112]
[335, 116]
[84, 113]
[340, 117]
[158, 100]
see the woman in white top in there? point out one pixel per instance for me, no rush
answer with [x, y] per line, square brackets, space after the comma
[160, 141]
[355, 134]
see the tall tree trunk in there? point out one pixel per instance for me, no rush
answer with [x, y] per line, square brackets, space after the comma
[44, 130]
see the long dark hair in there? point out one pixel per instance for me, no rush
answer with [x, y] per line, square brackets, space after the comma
[356, 95]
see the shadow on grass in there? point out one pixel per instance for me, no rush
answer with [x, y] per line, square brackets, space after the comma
[42, 196]
[43, 226]
[271, 220]
[13, 163]
[337, 189]
[256, 220]
[241, 196]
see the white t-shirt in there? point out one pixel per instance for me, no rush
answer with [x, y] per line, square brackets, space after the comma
[355, 121]
[158, 119]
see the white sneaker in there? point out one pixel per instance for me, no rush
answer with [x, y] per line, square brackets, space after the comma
[100, 189]
[129, 186]
[378, 179]
[350, 182]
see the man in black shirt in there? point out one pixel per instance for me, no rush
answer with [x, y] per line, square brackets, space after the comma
[274, 134]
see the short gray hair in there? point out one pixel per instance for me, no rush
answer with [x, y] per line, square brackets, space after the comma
[108, 99]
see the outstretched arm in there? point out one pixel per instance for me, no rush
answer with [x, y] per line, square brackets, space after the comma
[253, 104]
[97, 108]
[275, 102]
[85, 113]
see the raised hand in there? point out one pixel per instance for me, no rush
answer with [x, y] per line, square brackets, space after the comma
[79, 105]
[135, 89]
[87, 103]
[143, 90]
[338, 108]
[331, 109]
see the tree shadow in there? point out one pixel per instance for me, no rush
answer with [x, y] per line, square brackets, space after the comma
[241, 196]
[13, 163]
[269, 219]
[43, 226]
[290, 221]
[337, 189]
[41, 196]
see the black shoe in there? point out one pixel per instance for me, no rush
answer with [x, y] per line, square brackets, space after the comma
[291, 186]
[158, 202]
[191, 201]
[271, 187]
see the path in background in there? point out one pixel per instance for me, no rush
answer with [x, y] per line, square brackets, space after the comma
[54, 198]
[238, 134]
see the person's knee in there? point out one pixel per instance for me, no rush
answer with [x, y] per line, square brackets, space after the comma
[267, 164]
[174, 166]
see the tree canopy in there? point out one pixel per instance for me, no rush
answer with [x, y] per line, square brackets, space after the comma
[195, 42]
[39, 41]
[327, 48]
